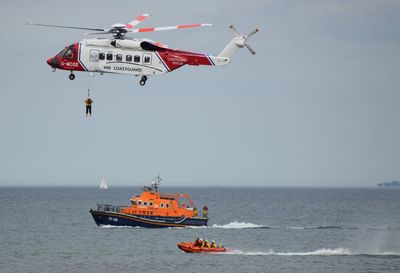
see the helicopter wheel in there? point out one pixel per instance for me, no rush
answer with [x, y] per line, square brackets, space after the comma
[71, 76]
[143, 80]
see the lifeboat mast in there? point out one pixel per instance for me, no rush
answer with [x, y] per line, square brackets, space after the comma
[155, 183]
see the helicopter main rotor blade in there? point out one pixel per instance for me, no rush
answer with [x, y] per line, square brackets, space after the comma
[137, 21]
[136, 30]
[83, 28]
[96, 33]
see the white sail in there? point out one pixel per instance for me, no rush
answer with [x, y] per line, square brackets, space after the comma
[103, 184]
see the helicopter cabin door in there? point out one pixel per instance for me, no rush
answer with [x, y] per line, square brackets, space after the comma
[93, 60]
[147, 62]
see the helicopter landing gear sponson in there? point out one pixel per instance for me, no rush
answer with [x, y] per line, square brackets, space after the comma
[71, 76]
[143, 80]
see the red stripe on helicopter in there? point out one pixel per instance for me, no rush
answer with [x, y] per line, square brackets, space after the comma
[146, 29]
[139, 19]
[174, 59]
[189, 26]
[162, 61]
[79, 57]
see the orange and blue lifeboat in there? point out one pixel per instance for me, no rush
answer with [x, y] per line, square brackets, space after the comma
[152, 209]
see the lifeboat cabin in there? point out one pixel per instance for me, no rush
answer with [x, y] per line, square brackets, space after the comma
[152, 209]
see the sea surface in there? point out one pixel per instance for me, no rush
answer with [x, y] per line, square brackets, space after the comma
[49, 229]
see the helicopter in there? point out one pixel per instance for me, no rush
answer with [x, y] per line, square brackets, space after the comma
[121, 54]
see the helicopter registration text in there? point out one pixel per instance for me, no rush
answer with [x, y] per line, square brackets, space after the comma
[70, 64]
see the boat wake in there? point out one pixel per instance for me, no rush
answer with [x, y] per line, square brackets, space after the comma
[319, 252]
[244, 225]
[239, 225]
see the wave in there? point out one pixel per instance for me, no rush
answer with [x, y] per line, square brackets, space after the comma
[320, 252]
[320, 227]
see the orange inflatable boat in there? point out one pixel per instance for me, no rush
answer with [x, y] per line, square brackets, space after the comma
[190, 248]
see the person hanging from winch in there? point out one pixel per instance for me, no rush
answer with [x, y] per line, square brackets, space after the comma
[88, 103]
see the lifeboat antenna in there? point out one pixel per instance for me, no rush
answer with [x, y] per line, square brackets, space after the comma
[155, 183]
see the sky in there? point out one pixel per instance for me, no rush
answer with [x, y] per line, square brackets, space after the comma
[317, 106]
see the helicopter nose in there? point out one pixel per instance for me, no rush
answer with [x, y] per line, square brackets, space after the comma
[53, 62]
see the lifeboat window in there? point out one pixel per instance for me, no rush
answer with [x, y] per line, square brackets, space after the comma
[139, 202]
[167, 205]
[144, 203]
[136, 59]
[119, 57]
[109, 56]
[151, 204]
[102, 56]
[147, 58]
[161, 205]
[94, 55]
[128, 58]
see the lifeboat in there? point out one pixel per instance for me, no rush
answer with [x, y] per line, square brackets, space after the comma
[190, 248]
[152, 209]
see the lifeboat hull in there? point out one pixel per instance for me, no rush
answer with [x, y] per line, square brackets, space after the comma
[103, 218]
[189, 248]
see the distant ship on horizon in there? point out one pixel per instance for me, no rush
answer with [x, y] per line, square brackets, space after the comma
[103, 184]
[393, 184]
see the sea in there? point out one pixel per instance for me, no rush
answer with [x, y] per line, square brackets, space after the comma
[50, 229]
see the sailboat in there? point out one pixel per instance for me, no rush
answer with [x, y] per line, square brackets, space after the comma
[103, 184]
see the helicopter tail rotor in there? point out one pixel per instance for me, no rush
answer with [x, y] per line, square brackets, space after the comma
[239, 41]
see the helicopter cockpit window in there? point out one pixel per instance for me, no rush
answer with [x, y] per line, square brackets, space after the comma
[128, 58]
[70, 54]
[62, 52]
[119, 57]
[102, 56]
[94, 55]
[109, 56]
[136, 59]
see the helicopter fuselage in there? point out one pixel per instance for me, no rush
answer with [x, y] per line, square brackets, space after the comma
[132, 57]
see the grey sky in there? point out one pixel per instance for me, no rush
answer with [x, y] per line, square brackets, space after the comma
[318, 105]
